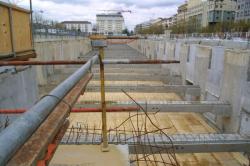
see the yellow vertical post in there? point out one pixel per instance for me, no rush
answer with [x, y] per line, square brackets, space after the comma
[99, 41]
[103, 102]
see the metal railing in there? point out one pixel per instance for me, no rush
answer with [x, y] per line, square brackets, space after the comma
[50, 31]
[21, 129]
[221, 36]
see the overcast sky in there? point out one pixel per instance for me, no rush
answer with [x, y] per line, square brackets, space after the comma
[142, 10]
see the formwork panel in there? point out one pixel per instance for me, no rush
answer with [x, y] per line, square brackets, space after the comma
[21, 31]
[5, 43]
[15, 32]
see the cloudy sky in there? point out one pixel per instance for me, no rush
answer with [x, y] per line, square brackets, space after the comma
[142, 10]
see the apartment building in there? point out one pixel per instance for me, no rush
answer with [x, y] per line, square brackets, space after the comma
[182, 14]
[243, 10]
[197, 13]
[110, 24]
[164, 22]
[221, 11]
[202, 13]
[83, 26]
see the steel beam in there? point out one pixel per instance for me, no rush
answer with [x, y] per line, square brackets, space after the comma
[215, 107]
[63, 62]
[183, 143]
[129, 70]
[128, 77]
[15, 135]
[180, 89]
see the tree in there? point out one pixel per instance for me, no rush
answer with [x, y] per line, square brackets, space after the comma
[153, 29]
[126, 31]
[131, 33]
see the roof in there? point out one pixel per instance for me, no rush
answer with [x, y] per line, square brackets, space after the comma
[76, 22]
[109, 15]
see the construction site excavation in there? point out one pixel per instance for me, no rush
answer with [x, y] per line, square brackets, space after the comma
[102, 99]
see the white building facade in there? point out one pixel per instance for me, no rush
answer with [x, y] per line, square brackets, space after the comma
[83, 26]
[243, 10]
[182, 14]
[209, 12]
[110, 24]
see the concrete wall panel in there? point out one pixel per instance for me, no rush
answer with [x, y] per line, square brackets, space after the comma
[215, 73]
[221, 73]
[18, 88]
[201, 66]
[60, 49]
[234, 84]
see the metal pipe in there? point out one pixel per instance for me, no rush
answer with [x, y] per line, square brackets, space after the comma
[76, 110]
[110, 109]
[15, 135]
[107, 61]
[23, 63]
[127, 61]
[12, 111]
[122, 37]
[35, 147]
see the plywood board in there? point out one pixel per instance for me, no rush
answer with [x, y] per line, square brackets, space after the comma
[21, 29]
[22, 37]
[5, 42]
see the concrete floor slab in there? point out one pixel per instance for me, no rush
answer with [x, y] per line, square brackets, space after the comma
[91, 155]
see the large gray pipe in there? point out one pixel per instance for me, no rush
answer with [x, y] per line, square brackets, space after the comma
[15, 135]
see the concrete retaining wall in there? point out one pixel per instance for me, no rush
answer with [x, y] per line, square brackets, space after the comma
[19, 85]
[58, 49]
[222, 73]
[18, 89]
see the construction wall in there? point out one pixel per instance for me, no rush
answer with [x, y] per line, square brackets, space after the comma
[220, 68]
[58, 49]
[18, 90]
[19, 85]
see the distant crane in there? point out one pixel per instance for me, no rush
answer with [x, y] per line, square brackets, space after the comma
[118, 11]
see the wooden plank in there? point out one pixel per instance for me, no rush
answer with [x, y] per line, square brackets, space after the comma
[15, 23]
[21, 30]
[5, 41]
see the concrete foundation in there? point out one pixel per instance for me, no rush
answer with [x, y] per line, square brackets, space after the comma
[91, 155]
